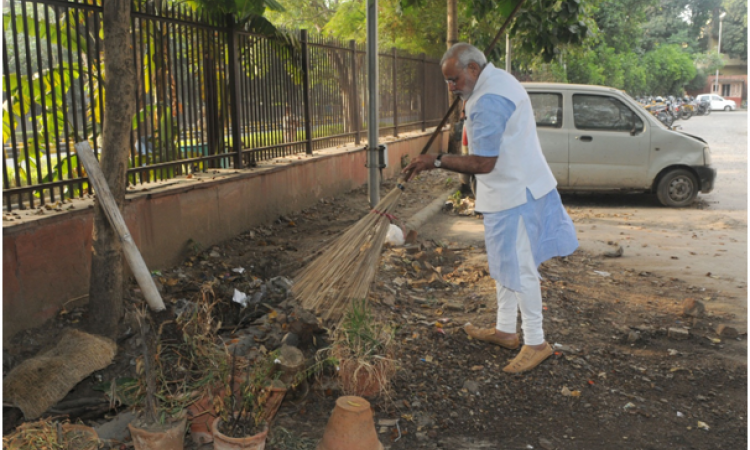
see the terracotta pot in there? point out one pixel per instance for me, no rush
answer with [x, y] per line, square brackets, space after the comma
[224, 442]
[170, 436]
[350, 427]
[278, 391]
[201, 415]
[363, 381]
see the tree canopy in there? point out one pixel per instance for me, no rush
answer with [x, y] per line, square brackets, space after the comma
[641, 46]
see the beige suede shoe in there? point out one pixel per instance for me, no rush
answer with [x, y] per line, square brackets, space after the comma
[527, 359]
[488, 335]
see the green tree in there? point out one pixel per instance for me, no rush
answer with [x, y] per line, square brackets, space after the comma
[734, 29]
[678, 22]
[412, 27]
[619, 23]
[670, 69]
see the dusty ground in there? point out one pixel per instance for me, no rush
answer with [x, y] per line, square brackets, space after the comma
[617, 380]
[705, 244]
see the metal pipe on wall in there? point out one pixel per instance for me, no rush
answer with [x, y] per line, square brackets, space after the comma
[373, 181]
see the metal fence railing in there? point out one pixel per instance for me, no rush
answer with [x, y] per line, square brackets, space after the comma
[208, 94]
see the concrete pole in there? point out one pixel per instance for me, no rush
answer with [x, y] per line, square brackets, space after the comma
[373, 179]
[718, 52]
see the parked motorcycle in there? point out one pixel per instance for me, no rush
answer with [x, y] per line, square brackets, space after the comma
[661, 113]
[686, 109]
[702, 108]
[673, 108]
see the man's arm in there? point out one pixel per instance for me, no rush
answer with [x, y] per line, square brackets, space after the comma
[469, 164]
[489, 120]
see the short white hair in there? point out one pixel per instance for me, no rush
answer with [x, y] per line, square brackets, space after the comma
[464, 54]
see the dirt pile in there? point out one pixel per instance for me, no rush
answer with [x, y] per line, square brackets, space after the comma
[618, 378]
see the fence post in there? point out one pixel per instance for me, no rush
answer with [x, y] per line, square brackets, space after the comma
[306, 91]
[424, 91]
[234, 107]
[355, 97]
[395, 95]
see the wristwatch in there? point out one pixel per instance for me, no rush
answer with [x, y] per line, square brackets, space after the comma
[439, 163]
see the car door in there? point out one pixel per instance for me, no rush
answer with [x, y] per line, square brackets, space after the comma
[608, 144]
[548, 113]
[717, 103]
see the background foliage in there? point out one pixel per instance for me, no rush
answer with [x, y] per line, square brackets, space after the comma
[646, 47]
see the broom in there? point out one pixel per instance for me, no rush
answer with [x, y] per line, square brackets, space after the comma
[346, 269]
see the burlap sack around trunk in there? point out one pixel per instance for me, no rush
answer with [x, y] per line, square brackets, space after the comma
[40, 382]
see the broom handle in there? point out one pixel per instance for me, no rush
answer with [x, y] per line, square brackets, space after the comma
[453, 106]
[109, 206]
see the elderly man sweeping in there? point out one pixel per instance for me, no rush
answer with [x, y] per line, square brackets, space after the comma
[524, 219]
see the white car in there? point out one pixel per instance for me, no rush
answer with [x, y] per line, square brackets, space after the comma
[718, 103]
[599, 139]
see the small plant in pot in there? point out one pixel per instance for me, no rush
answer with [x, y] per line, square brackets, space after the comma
[159, 402]
[244, 413]
[363, 349]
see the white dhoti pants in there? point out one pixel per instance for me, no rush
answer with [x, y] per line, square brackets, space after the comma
[528, 299]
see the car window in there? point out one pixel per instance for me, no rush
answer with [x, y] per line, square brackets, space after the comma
[717, 98]
[601, 112]
[547, 109]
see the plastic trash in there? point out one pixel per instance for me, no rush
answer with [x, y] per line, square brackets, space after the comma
[240, 297]
[395, 236]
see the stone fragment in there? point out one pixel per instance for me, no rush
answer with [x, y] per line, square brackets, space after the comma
[387, 422]
[290, 339]
[692, 308]
[304, 324]
[471, 386]
[117, 428]
[453, 306]
[614, 253]
[678, 333]
[726, 331]
[546, 444]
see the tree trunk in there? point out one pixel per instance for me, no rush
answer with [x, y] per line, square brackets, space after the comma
[106, 285]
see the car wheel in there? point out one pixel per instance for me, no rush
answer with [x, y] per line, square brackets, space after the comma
[727, 108]
[677, 188]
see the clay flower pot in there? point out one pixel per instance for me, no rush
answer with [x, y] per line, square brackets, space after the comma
[273, 403]
[350, 427]
[201, 415]
[170, 436]
[224, 442]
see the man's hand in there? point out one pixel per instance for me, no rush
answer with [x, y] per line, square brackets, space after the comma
[470, 164]
[419, 164]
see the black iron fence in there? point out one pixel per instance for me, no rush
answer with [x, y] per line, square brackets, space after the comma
[209, 94]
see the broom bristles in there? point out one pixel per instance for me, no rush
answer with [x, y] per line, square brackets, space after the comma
[345, 270]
